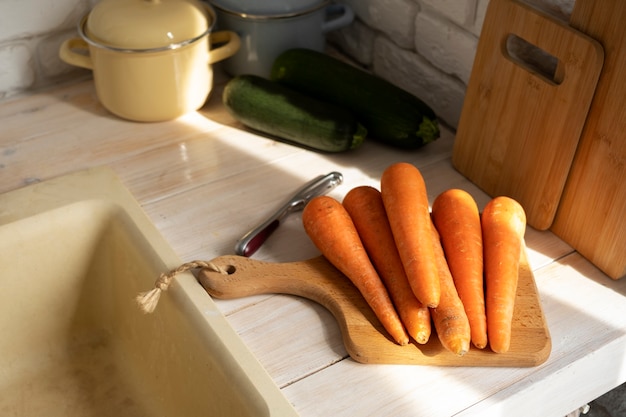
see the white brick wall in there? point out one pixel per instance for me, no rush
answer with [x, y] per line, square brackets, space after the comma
[425, 46]
[31, 32]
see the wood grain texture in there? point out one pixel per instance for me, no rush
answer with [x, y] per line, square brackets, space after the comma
[591, 216]
[364, 337]
[519, 130]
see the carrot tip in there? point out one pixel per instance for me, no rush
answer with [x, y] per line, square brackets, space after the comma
[502, 349]
[403, 342]
[459, 348]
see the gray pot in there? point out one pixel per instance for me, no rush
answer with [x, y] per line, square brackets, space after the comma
[265, 36]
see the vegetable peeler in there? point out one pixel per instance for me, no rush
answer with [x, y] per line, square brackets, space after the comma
[253, 239]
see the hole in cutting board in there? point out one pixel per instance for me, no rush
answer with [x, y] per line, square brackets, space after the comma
[534, 59]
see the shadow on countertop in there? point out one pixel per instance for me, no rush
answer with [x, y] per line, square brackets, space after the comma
[611, 404]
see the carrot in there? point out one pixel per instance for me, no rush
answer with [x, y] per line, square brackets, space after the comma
[449, 317]
[404, 195]
[365, 206]
[330, 228]
[503, 225]
[457, 219]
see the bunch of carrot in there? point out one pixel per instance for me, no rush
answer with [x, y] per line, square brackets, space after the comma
[453, 267]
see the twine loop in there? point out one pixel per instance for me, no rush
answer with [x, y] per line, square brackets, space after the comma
[148, 300]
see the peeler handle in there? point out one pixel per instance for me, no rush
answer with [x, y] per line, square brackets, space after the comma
[252, 240]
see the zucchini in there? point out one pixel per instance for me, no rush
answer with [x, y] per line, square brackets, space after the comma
[390, 114]
[288, 115]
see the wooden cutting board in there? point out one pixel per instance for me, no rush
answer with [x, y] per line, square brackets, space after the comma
[519, 129]
[592, 214]
[364, 337]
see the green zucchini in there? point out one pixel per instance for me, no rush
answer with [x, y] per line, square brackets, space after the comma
[286, 114]
[390, 114]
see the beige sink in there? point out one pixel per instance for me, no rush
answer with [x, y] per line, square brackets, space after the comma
[74, 252]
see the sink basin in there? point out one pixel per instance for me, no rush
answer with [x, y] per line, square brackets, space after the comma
[74, 253]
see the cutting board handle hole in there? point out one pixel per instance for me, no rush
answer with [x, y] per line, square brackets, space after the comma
[534, 59]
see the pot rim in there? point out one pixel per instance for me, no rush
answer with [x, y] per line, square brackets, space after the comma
[248, 16]
[169, 47]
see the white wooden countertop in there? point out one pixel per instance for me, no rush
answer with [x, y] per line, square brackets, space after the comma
[204, 181]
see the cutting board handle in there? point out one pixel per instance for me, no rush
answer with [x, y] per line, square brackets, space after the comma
[315, 279]
[533, 58]
[539, 46]
[248, 277]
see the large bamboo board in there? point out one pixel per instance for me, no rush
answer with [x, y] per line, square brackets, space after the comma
[519, 127]
[592, 214]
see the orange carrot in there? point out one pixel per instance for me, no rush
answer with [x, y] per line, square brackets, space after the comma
[406, 203]
[365, 206]
[449, 318]
[503, 226]
[331, 229]
[457, 220]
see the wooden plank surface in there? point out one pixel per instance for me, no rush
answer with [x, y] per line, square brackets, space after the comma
[592, 213]
[519, 129]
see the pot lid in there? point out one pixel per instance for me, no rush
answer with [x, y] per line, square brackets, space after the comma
[267, 7]
[147, 24]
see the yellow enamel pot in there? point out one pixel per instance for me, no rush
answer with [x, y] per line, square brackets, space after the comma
[151, 59]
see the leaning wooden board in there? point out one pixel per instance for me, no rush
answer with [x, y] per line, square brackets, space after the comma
[519, 130]
[592, 213]
[364, 337]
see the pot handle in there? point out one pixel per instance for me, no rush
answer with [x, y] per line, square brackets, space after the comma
[344, 16]
[230, 43]
[68, 54]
